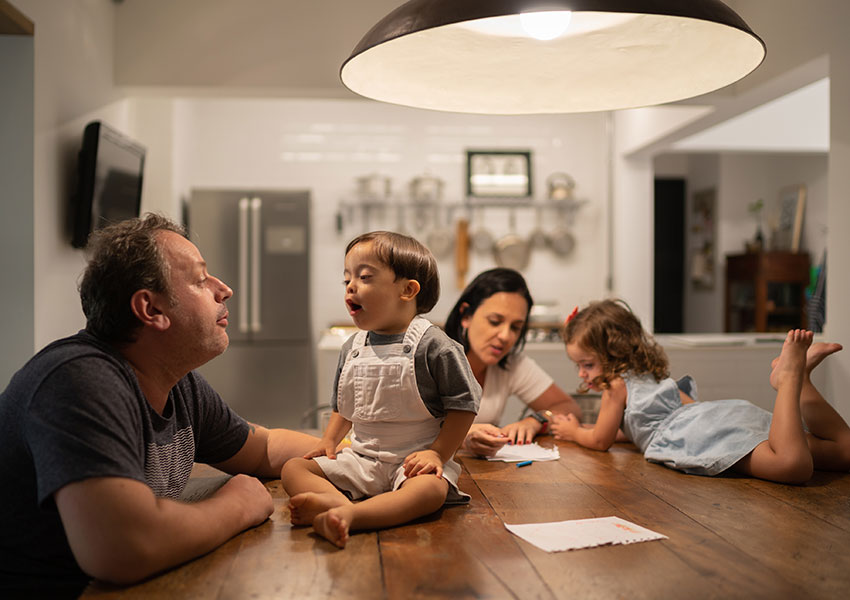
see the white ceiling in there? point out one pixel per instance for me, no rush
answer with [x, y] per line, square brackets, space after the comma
[795, 122]
[280, 47]
[293, 48]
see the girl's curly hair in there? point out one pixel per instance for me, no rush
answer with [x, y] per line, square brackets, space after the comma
[611, 331]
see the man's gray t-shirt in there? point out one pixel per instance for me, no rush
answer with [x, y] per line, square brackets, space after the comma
[76, 411]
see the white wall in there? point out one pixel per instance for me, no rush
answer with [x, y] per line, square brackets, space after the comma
[323, 145]
[796, 33]
[838, 207]
[16, 210]
[739, 179]
[703, 310]
[632, 222]
[73, 62]
[744, 178]
[73, 85]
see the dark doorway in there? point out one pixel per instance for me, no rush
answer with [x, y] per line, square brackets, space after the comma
[669, 255]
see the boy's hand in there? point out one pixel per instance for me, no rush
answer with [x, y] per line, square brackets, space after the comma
[564, 426]
[323, 448]
[422, 462]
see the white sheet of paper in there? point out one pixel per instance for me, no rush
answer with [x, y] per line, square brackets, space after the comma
[519, 452]
[583, 533]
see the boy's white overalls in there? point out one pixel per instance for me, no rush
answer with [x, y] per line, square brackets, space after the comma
[377, 392]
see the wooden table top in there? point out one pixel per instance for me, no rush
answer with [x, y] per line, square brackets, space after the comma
[729, 537]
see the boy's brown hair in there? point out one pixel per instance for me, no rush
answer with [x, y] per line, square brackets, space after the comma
[407, 258]
[611, 331]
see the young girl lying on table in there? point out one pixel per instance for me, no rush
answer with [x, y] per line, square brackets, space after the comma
[661, 416]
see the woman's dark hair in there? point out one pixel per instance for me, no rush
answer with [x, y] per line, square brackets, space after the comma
[408, 258]
[482, 287]
[611, 331]
[123, 258]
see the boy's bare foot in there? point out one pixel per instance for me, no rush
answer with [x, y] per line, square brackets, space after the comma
[818, 352]
[304, 507]
[792, 359]
[333, 524]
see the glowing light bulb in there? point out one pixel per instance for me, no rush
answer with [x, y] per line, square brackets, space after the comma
[546, 25]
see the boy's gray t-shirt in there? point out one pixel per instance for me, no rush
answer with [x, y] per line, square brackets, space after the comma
[443, 375]
[76, 411]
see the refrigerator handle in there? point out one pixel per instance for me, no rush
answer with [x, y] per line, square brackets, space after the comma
[243, 265]
[256, 283]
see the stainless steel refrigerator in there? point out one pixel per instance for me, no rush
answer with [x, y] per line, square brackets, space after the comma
[258, 243]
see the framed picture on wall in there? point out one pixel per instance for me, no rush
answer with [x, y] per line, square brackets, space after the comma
[786, 219]
[498, 174]
[701, 240]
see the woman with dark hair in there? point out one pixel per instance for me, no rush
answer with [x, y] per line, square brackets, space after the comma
[490, 319]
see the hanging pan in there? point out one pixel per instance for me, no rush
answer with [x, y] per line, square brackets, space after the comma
[441, 238]
[480, 238]
[512, 251]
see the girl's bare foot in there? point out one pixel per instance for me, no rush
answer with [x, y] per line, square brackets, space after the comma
[792, 359]
[333, 524]
[818, 352]
[304, 507]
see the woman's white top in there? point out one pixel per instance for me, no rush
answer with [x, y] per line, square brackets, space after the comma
[523, 378]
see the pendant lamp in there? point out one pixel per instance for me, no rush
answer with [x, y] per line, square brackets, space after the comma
[550, 56]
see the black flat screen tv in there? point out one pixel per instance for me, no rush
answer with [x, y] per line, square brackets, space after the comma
[110, 167]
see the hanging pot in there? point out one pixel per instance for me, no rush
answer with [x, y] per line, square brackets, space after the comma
[560, 186]
[512, 251]
[426, 189]
[562, 241]
[373, 188]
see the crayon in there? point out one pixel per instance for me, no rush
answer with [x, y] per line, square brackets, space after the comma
[524, 463]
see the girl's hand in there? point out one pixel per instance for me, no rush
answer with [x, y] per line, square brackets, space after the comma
[564, 426]
[423, 462]
[484, 439]
[522, 432]
[325, 447]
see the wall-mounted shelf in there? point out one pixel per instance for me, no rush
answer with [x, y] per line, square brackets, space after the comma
[427, 215]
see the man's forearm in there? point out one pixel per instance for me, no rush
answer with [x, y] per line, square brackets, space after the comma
[120, 532]
[284, 444]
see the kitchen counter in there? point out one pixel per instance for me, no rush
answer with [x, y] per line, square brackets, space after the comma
[735, 365]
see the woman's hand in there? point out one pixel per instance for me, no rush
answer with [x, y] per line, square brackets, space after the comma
[522, 432]
[564, 426]
[423, 462]
[484, 439]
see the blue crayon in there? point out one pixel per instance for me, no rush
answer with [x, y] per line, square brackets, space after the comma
[524, 463]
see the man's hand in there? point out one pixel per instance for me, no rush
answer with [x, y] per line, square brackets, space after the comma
[251, 495]
[120, 532]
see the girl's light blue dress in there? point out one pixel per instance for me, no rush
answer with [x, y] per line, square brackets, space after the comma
[703, 438]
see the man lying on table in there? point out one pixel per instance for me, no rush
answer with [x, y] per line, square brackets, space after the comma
[99, 430]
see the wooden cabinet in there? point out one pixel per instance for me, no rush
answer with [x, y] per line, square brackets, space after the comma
[766, 291]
